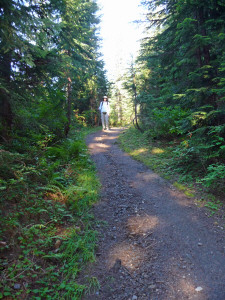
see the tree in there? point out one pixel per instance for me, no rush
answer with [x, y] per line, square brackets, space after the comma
[183, 56]
[48, 54]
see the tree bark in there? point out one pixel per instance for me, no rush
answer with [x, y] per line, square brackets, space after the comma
[201, 21]
[5, 75]
[5, 102]
[120, 110]
[135, 105]
[68, 108]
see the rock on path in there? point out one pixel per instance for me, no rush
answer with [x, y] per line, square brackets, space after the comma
[154, 243]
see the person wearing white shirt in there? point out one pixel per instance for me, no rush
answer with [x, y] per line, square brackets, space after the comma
[105, 110]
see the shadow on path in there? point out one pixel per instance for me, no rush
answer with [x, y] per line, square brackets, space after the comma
[154, 242]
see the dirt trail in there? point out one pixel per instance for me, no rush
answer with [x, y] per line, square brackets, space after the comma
[157, 243]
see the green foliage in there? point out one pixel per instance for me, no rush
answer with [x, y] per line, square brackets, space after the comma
[166, 122]
[50, 74]
[184, 162]
[215, 178]
[140, 147]
[213, 206]
[179, 81]
[94, 285]
[67, 150]
[49, 65]
[200, 150]
[46, 195]
[89, 117]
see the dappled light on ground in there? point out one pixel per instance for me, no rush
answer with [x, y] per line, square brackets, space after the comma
[182, 280]
[101, 147]
[109, 137]
[156, 245]
[157, 151]
[187, 288]
[142, 224]
[129, 256]
[139, 151]
[65, 233]
[147, 176]
[181, 198]
[106, 137]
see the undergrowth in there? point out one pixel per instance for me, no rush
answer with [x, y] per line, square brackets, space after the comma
[46, 226]
[170, 160]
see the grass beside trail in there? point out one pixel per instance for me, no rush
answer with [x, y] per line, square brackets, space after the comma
[46, 226]
[159, 157]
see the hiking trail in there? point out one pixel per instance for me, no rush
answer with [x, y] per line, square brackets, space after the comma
[154, 242]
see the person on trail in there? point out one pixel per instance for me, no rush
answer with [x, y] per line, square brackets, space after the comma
[105, 110]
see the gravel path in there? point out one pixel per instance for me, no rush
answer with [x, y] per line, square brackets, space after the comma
[155, 243]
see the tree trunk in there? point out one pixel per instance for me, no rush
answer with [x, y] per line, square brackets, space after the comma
[203, 53]
[205, 49]
[135, 105]
[199, 57]
[5, 75]
[6, 111]
[68, 108]
[93, 114]
[120, 110]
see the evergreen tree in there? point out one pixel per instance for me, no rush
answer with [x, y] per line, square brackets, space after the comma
[49, 56]
[181, 83]
[183, 57]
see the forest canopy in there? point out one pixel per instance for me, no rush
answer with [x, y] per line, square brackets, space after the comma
[49, 65]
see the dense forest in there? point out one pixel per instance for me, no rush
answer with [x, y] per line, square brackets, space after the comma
[49, 65]
[178, 83]
[51, 79]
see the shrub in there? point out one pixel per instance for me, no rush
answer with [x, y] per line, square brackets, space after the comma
[166, 121]
[215, 177]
